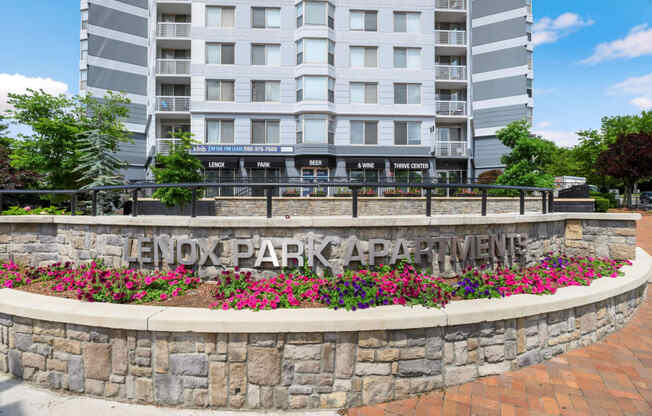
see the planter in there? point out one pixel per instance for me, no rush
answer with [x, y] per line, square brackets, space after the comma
[401, 195]
[343, 195]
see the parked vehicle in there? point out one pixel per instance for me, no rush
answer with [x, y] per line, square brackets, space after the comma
[646, 198]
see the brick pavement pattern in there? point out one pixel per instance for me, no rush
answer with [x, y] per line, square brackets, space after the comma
[612, 377]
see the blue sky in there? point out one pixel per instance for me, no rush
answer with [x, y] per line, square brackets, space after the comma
[593, 58]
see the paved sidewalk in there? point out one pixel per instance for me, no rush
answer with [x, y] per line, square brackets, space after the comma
[613, 377]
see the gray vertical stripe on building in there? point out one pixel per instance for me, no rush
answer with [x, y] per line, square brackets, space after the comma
[501, 87]
[481, 8]
[138, 3]
[501, 59]
[488, 152]
[119, 81]
[496, 32]
[117, 50]
[116, 20]
[499, 116]
[137, 113]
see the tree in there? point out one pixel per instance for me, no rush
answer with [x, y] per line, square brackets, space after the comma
[11, 178]
[629, 159]
[531, 158]
[67, 134]
[594, 142]
[179, 166]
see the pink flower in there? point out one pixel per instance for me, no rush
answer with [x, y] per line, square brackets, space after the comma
[164, 296]
[28, 208]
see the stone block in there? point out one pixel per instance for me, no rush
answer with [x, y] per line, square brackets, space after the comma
[237, 378]
[327, 358]
[573, 230]
[264, 366]
[23, 341]
[369, 369]
[144, 390]
[15, 361]
[76, 373]
[332, 400]
[365, 355]
[49, 328]
[168, 389]
[253, 396]
[376, 389]
[94, 387]
[68, 345]
[304, 338]
[416, 368]
[303, 352]
[188, 364]
[97, 360]
[389, 354]
[161, 352]
[494, 354]
[34, 361]
[412, 353]
[372, 339]
[459, 375]
[494, 369]
[217, 384]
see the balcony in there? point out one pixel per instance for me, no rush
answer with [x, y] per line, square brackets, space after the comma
[451, 108]
[451, 149]
[163, 146]
[174, 104]
[173, 30]
[450, 4]
[450, 37]
[450, 73]
[173, 66]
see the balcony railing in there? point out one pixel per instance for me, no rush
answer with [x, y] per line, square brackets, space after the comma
[450, 37]
[451, 4]
[173, 104]
[451, 149]
[163, 146]
[451, 108]
[173, 66]
[450, 72]
[173, 30]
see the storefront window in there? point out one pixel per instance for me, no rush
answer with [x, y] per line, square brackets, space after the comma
[452, 177]
[314, 176]
[221, 176]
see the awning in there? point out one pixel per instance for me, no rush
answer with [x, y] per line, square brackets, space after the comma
[313, 162]
[264, 162]
[410, 164]
[365, 163]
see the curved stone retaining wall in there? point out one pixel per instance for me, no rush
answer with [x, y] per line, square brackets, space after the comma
[290, 360]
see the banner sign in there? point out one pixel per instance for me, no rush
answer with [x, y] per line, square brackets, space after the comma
[437, 252]
[237, 148]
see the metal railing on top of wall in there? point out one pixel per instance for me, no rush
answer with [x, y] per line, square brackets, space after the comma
[268, 188]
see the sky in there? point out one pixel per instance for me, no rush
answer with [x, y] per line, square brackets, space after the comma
[591, 59]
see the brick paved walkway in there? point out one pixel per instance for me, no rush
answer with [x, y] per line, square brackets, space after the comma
[613, 377]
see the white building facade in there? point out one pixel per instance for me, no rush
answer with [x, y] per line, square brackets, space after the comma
[315, 89]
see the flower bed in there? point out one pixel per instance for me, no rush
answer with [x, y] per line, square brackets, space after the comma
[353, 290]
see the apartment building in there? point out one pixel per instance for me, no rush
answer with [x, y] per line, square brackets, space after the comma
[312, 88]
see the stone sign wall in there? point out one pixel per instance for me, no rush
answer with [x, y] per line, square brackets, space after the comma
[444, 244]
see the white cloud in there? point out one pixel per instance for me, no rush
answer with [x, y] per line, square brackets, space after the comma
[639, 87]
[19, 84]
[548, 30]
[560, 137]
[637, 43]
[543, 124]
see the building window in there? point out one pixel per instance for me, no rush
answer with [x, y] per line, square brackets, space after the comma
[364, 132]
[265, 17]
[222, 17]
[219, 90]
[450, 95]
[364, 93]
[220, 53]
[84, 20]
[450, 134]
[315, 128]
[220, 132]
[407, 93]
[315, 51]
[364, 20]
[407, 58]
[265, 131]
[269, 55]
[407, 133]
[310, 12]
[364, 57]
[530, 85]
[265, 91]
[84, 50]
[409, 22]
[314, 88]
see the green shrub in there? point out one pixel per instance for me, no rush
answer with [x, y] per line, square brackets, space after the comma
[613, 202]
[601, 204]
